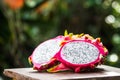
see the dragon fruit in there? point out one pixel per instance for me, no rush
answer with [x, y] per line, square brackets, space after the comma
[80, 54]
[42, 55]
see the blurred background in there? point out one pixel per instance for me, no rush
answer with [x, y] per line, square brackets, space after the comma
[26, 23]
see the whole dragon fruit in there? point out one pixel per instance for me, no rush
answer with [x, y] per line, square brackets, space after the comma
[42, 55]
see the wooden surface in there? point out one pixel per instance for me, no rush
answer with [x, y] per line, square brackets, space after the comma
[101, 73]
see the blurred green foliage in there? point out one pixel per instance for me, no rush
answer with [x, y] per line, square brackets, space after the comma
[21, 30]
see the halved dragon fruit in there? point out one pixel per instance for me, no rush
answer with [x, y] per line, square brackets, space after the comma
[81, 54]
[69, 52]
[42, 55]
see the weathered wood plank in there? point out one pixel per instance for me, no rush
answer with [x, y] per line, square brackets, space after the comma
[101, 73]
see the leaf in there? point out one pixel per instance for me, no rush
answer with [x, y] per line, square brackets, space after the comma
[65, 33]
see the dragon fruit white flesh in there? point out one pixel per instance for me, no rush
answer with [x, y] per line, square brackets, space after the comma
[79, 52]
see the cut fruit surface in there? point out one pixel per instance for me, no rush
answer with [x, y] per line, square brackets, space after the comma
[79, 52]
[44, 52]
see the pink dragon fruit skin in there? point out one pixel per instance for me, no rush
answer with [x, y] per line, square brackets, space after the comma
[98, 52]
[43, 53]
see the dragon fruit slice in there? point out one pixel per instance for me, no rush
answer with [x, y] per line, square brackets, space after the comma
[81, 54]
[42, 55]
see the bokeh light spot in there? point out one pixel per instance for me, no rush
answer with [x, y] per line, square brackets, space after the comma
[110, 19]
[116, 6]
[113, 58]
